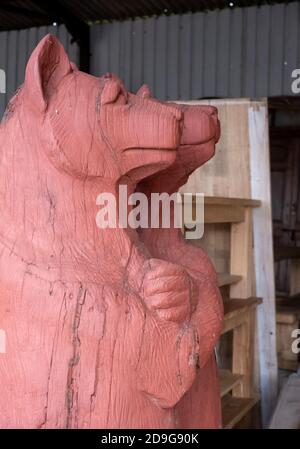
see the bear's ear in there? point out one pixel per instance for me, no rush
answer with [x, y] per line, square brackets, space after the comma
[47, 65]
[144, 92]
[74, 66]
[111, 91]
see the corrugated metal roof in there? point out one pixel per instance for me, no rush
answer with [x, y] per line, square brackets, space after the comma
[240, 52]
[17, 14]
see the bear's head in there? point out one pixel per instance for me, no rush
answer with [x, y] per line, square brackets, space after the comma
[89, 126]
[200, 133]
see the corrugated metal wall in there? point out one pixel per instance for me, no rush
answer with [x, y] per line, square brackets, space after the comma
[15, 49]
[239, 52]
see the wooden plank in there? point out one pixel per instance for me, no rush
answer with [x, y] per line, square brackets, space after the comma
[234, 409]
[232, 201]
[222, 210]
[287, 317]
[288, 365]
[235, 306]
[225, 201]
[287, 412]
[235, 312]
[258, 140]
[223, 214]
[228, 279]
[288, 311]
[243, 355]
[228, 381]
[241, 257]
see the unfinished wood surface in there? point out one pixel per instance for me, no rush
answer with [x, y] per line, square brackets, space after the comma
[216, 242]
[263, 253]
[222, 210]
[243, 354]
[228, 381]
[241, 257]
[231, 202]
[223, 214]
[287, 412]
[234, 409]
[287, 317]
[228, 279]
[235, 311]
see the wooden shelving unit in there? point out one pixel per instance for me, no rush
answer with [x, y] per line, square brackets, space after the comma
[236, 384]
[228, 381]
[235, 408]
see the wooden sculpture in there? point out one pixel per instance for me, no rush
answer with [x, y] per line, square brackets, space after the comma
[200, 407]
[99, 331]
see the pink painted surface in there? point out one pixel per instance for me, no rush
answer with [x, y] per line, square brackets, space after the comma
[103, 328]
[200, 406]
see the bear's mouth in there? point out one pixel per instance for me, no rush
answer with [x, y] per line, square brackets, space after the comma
[168, 149]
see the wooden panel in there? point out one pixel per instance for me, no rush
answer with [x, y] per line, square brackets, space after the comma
[216, 242]
[223, 214]
[228, 279]
[234, 409]
[288, 365]
[243, 355]
[287, 317]
[263, 254]
[235, 306]
[235, 312]
[222, 210]
[241, 261]
[228, 381]
[230, 202]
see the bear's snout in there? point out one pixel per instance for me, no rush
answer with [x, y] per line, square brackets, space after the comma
[201, 125]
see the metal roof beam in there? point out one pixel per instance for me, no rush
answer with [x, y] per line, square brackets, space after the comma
[23, 11]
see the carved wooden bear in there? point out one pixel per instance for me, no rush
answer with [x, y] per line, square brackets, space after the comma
[200, 407]
[99, 331]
